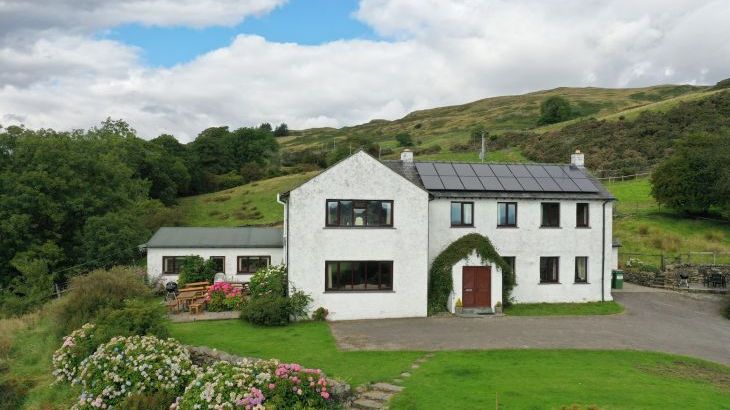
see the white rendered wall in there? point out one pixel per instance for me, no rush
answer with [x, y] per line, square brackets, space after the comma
[310, 243]
[457, 277]
[614, 257]
[528, 242]
[154, 260]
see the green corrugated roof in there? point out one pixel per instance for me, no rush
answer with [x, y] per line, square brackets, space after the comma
[185, 237]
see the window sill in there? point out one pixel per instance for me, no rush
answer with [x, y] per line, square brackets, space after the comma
[359, 291]
[581, 283]
[507, 227]
[462, 226]
[551, 227]
[582, 227]
[549, 283]
[358, 227]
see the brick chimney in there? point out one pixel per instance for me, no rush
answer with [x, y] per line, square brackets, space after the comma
[406, 155]
[577, 160]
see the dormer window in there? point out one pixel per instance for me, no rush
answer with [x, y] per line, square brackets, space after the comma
[359, 213]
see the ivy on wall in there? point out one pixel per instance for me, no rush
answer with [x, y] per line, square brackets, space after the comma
[440, 282]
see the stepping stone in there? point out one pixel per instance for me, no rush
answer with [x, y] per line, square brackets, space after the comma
[388, 387]
[429, 355]
[367, 404]
[361, 389]
[421, 360]
[405, 374]
[415, 366]
[378, 395]
[397, 381]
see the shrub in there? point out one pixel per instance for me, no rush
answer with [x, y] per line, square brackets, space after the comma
[98, 290]
[404, 139]
[298, 304]
[196, 269]
[320, 314]
[266, 311]
[222, 296]
[132, 365]
[257, 385]
[268, 304]
[149, 401]
[12, 393]
[76, 347]
[137, 317]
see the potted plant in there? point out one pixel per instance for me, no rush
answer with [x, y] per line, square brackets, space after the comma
[498, 307]
[459, 306]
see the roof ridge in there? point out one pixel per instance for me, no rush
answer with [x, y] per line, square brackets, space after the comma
[485, 163]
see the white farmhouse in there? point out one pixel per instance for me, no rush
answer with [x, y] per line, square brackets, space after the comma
[361, 236]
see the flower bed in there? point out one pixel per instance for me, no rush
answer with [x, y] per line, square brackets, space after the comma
[128, 365]
[75, 348]
[222, 296]
[257, 385]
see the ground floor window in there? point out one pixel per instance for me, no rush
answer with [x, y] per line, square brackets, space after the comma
[219, 263]
[581, 269]
[251, 264]
[549, 269]
[358, 275]
[171, 264]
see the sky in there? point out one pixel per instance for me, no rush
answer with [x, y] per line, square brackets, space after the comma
[180, 66]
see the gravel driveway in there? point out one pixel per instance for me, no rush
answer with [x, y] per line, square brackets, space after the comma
[654, 320]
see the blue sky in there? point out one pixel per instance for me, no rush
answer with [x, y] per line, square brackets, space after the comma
[307, 22]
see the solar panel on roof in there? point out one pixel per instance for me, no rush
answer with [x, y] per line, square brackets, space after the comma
[529, 184]
[501, 170]
[444, 168]
[585, 185]
[555, 171]
[567, 185]
[472, 183]
[548, 184]
[510, 183]
[491, 183]
[482, 170]
[464, 170]
[425, 168]
[537, 171]
[574, 173]
[452, 182]
[519, 170]
[432, 182]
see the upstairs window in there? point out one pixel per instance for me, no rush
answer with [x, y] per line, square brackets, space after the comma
[549, 269]
[171, 264]
[581, 269]
[359, 213]
[507, 216]
[581, 215]
[550, 214]
[462, 214]
[219, 263]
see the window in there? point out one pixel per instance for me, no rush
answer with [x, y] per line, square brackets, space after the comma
[171, 264]
[219, 263]
[550, 215]
[251, 264]
[358, 275]
[512, 262]
[507, 214]
[581, 269]
[342, 212]
[581, 215]
[549, 269]
[462, 214]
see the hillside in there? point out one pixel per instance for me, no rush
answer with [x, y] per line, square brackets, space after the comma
[445, 126]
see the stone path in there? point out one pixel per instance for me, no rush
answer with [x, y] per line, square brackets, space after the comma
[377, 395]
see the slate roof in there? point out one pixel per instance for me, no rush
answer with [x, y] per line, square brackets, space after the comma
[501, 180]
[245, 237]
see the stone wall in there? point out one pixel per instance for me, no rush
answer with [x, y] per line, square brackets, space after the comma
[639, 277]
[204, 356]
[696, 272]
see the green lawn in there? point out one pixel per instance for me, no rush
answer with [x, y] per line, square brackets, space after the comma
[558, 379]
[563, 309]
[310, 344]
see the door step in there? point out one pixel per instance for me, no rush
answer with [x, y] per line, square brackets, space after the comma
[476, 312]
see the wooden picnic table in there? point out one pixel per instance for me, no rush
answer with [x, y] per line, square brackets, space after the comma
[186, 296]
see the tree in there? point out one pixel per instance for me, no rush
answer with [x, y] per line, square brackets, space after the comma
[282, 130]
[404, 139]
[553, 110]
[265, 127]
[113, 238]
[695, 178]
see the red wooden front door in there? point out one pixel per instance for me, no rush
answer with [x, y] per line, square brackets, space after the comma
[476, 288]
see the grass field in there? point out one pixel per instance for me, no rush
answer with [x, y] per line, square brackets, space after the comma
[563, 309]
[645, 228]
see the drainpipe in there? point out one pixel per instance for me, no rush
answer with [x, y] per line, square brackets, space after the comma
[603, 254]
[286, 230]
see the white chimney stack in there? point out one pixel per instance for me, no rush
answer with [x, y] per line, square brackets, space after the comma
[406, 155]
[577, 160]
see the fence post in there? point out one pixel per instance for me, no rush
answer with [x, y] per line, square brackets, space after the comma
[58, 291]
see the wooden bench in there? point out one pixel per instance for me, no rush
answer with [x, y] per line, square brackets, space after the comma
[196, 307]
[195, 284]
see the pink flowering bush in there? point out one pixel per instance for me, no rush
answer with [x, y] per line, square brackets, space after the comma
[257, 385]
[223, 296]
[133, 365]
[75, 348]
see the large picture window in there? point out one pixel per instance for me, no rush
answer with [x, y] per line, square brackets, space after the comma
[462, 214]
[251, 264]
[550, 214]
[581, 215]
[358, 275]
[549, 269]
[581, 269]
[507, 215]
[359, 213]
[171, 264]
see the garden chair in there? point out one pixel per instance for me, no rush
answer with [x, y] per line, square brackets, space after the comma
[197, 306]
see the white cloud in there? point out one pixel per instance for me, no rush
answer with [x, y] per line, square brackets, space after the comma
[437, 53]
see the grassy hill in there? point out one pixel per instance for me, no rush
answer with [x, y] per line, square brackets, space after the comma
[448, 125]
